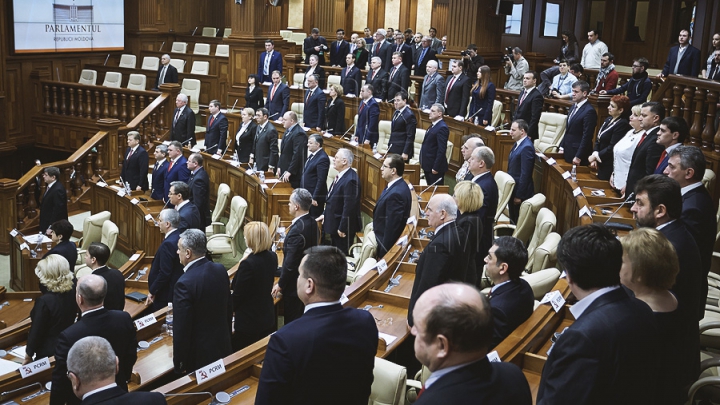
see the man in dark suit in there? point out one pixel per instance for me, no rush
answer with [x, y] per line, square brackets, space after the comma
[166, 73]
[199, 184]
[399, 79]
[379, 48]
[672, 133]
[315, 45]
[53, 205]
[405, 51]
[403, 126]
[377, 78]
[366, 131]
[265, 149]
[115, 326]
[202, 307]
[166, 268]
[423, 55]
[457, 92]
[302, 359]
[135, 167]
[96, 257]
[392, 209]
[591, 362]
[269, 61]
[432, 153]
[577, 143]
[683, 59]
[176, 169]
[520, 166]
[189, 214]
[314, 111]
[462, 373]
[302, 235]
[278, 99]
[342, 209]
[530, 103]
[350, 76]
[94, 366]
[442, 259]
[480, 162]
[61, 232]
[183, 124]
[293, 152]
[216, 131]
[159, 172]
[314, 178]
[433, 87]
[339, 49]
[648, 151]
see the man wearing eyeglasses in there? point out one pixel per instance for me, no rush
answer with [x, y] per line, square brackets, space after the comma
[393, 207]
[638, 87]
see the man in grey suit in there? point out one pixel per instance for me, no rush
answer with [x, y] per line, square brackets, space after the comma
[265, 145]
[433, 88]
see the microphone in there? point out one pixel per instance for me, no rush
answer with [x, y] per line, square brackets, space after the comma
[274, 114]
[106, 59]
[225, 151]
[476, 112]
[217, 31]
[233, 107]
[157, 220]
[617, 225]
[195, 30]
[386, 152]
[42, 389]
[346, 132]
[186, 141]
[103, 180]
[221, 397]
[161, 46]
[428, 187]
[125, 185]
[206, 149]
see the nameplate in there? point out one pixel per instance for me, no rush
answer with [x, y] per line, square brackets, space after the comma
[494, 357]
[402, 241]
[555, 299]
[577, 191]
[598, 193]
[210, 371]
[195, 149]
[24, 246]
[166, 143]
[585, 211]
[145, 321]
[216, 157]
[134, 257]
[34, 367]
[388, 338]
[563, 274]
[327, 135]
[344, 299]
[412, 220]
[381, 266]
[27, 300]
[101, 184]
[540, 154]
[134, 201]
[121, 192]
[149, 217]
[566, 175]
[378, 156]
[14, 233]
[236, 164]
[550, 161]
[353, 143]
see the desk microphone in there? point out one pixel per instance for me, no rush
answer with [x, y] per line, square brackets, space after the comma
[617, 225]
[225, 151]
[126, 186]
[476, 113]
[428, 188]
[195, 30]
[161, 46]
[274, 114]
[386, 152]
[233, 107]
[186, 141]
[103, 180]
[206, 149]
[43, 389]
[106, 59]
[157, 221]
[346, 132]
[221, 397]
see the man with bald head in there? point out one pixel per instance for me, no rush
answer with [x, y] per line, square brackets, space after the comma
[115, 326]
[453, 330]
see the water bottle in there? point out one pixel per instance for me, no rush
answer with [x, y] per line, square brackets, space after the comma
[127, 187]
[261, 175]
[573, 173]
[169, 319]
[374, 149]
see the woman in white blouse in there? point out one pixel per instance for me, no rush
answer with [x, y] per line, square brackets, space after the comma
[315, 69]
[245, 135]
[623, 151]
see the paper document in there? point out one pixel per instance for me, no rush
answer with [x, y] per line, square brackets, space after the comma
[34, 239]
[7, 366]
[387, 338]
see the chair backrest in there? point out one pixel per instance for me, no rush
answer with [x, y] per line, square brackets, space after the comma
[299, 79]
[238, 206]
[545, 255]
[297, 37]
[222, 50]
[331, 173]
[200, 67]
[179, 47]
[368, 248]
[92, 228]
[150, 63]
[209, 31]
[542, 281]
[415, 204]
[88, 76]
[505, 184]
[274, 223]
[526, 219]
[384, 129]
[191, 88]
[496, 113]
[544, 224]
[127, 61]
[227, 32]
[221, 201]
[551, 130]
[285, 34]
[201, 49]
[448, 151]
[333, 79]
[112, 79]
[388, 387]
[137, 81]
[709, 180]
[417, 145]
[110, 233]
[298, 108]
[179, 64]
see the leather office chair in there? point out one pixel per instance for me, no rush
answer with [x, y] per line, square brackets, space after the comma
[360, 252]
[201, 49]
[285, 34]
[417, 144]
[384, 129]
[298, 37]
[191, 88]
[227, 32]
[414, 386]
[225, 242]
[127, 61]
[544, 224]
[209, 31]
[388, 387]
[545, 255]
[505, 184]
[150, 63]
[88, 76]
[298, 109]
[709, 180]
[200, 67]
[179, 64]
[92, 232]
[368, 265]
[299, 80]
[222, 50]
[496, 113]
[112, 79]
[523, 230]
[333, 79]
[137, 82]
[551, 130]
[220, 205]
[274, 224]
[109, 236]
[543, 281]
[179, 47]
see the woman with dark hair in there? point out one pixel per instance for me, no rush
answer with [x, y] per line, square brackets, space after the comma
[710, 64]
[253, 93]
[570, 51]
[315, 69]
[611, 131]
[469, 198]
[482, 97]
[361, 54]
[335, 111]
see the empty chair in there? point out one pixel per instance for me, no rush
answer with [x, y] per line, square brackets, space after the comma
[542, 281]
[227, 32]
[209, 31]
[505, 184]
[384, 129]
[127, 61]
[708, 180]
[417, 144]
[299, 79]
[112, 79]
[200, 67]
[388, 387]
[220, 204]
[191, 88]
[136, 82]
[496, 113]
[179, 47]
[179, 64]
[225, 242]
[150, 63]
[332, 79]
[360, 253]
[551, 130]
[285, 34]
[88, 76]
[544, 224]
[201, 49]
[92, 232]
[109, 236]
[298, 37]
[523, 230]
[222, 50]
[545, 255]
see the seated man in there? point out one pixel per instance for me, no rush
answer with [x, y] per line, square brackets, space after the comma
[562, 83]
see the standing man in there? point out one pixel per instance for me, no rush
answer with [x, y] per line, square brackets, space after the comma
[393, 207]
[530, 103]
[581, 122]
[135, 167]
[481, 161]
[53, 205]
[399, 79]
[648, 151]
[199, 185]
[520, 166]
[216, 132]
[404, 50]
[189, 213]
[339, 49]
[607, 78]
[516, 69]
[472, 62]
[166, 268]
[159, 172]
[472, 141]
[314, 111]
[166, 73]
[302, 359]
[683, 59]
[366, 131]
[176, 169]
[202, 307]
[672, 133]
[269, 62]
[408, 36]
[436, 44]
[341, 219]
[302, 235]
[457, 92]
[96, 257]
[380, 47]
[350, 76]
[183, 125]
[314, 178]
[293, 152]
[353, 43]
[432, 152]
[593, 51]
[433, 87]
[638, 87]
[403, 126]
[315, 45]
[377, 78]
[265, 149]
[278, 97]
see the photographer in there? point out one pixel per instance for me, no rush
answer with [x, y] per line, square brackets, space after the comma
[562, 83]
[315, 45]
[515, 67]
[471, 61]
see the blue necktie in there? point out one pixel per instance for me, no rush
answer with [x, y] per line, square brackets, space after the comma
[422, 55]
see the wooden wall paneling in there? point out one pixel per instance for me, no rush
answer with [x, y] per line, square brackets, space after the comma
[440, 19]
[14, 101]
[349, 18]
[550, 46]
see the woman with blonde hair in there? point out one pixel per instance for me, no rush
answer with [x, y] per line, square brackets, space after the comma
[335, 111]
[252, 303]
[469, 198]
[53, 311]
[245, 135]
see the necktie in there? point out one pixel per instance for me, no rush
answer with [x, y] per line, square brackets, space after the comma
[177, 115]
[172, 162]
[447, 91]
[212, 119]
[422, 55]
[310, 92]
[572, 112]
[272, 95]
[374, 49]
[662, 157]
[130, 154]
[397, 114]
[162, 75]
[513, 149]
[362, 107]
[266, 66]
[523, 97]
[642, 138]
[309, 158]
[399, 48]
[393, 73]
[332, 186]
[373, 73]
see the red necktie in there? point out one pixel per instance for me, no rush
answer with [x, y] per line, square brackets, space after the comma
[362, 106]
[523, 97]
[447, 92]
[170, 165]
[129, 154]
[212, 119]
[662, 157]
[309, 95]
[642, 139]
[272, 95]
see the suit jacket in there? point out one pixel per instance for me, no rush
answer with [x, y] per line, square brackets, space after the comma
[117, 396]
[216, 134]
[644, 160]
[293, 152]
[314, 112]
[66, 249]
[314, 177]
[520, 166]
[381, 52]
[379, 81]
[607, 137]
[115, 326]
[487, 212]
[158, 180]
[421, 65]
[320, 73]
[481, 107]
[398, 82]
[309, 45]
[368, 122]
[689, 63]
[338, 52]
[190, 217]
[608, 82]
[303, 234]
[301, 360]
[53, 206]
[254, 99]
[361, 58]
[171, 75]
[433, 91]
[351, 81]
[432, 152]
[265, 146]
[472, 224]
[402, 133]
[335, 116]
[135, 169]
[577, 141]
[458, 96]
[184, 127]
[481, 382]
[252, 303]
[279, 103]
[276, 63]
[390, 215]
[165, 271]
[52, 313]
[199, 184]
[342, 208]
[178, 172]
[699, 219]
[115, 297]
[511, 305]
[203, 314]
[244, 141]
[592, 363]
[407, 54]
[691, 279]
[530, 111]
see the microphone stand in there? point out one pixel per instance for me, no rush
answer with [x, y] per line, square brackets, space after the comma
[386, 152]
[346, 132]
[616, 225]
[419, 196]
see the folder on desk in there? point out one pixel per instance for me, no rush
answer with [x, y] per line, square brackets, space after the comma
[136, 296]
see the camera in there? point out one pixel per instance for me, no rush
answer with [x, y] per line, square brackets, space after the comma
[508, 57]
[463, 53]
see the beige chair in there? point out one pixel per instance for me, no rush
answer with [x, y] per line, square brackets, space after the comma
[333, 79]
[298, 109]
[297, 37]
[225, 242]
[299, 79]
[505, 184]
[419, 138]
[274, 224]
[384, 129]
[200, 67]
[551, 130]
[112, 79]
[220, 205]
[523, 230]
[414, 386]
[82, 270]
[209, 32]
[360, 253]
[285, 34]
[88, 77]
[542, 281]
[92, 232]
[150, 63]
[110, 234]
[137, 82]
[227, 32]
[388, 387]
[544, 224]
[179, 47]
[545, 255]
[222, 50]
[179, 64]
[127, 61]
[496, 113]
[201, 49]
[708, 180]
[191, 88]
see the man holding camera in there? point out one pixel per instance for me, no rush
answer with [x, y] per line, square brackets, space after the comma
[471, 61]
[515, 67]
[315, 45]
